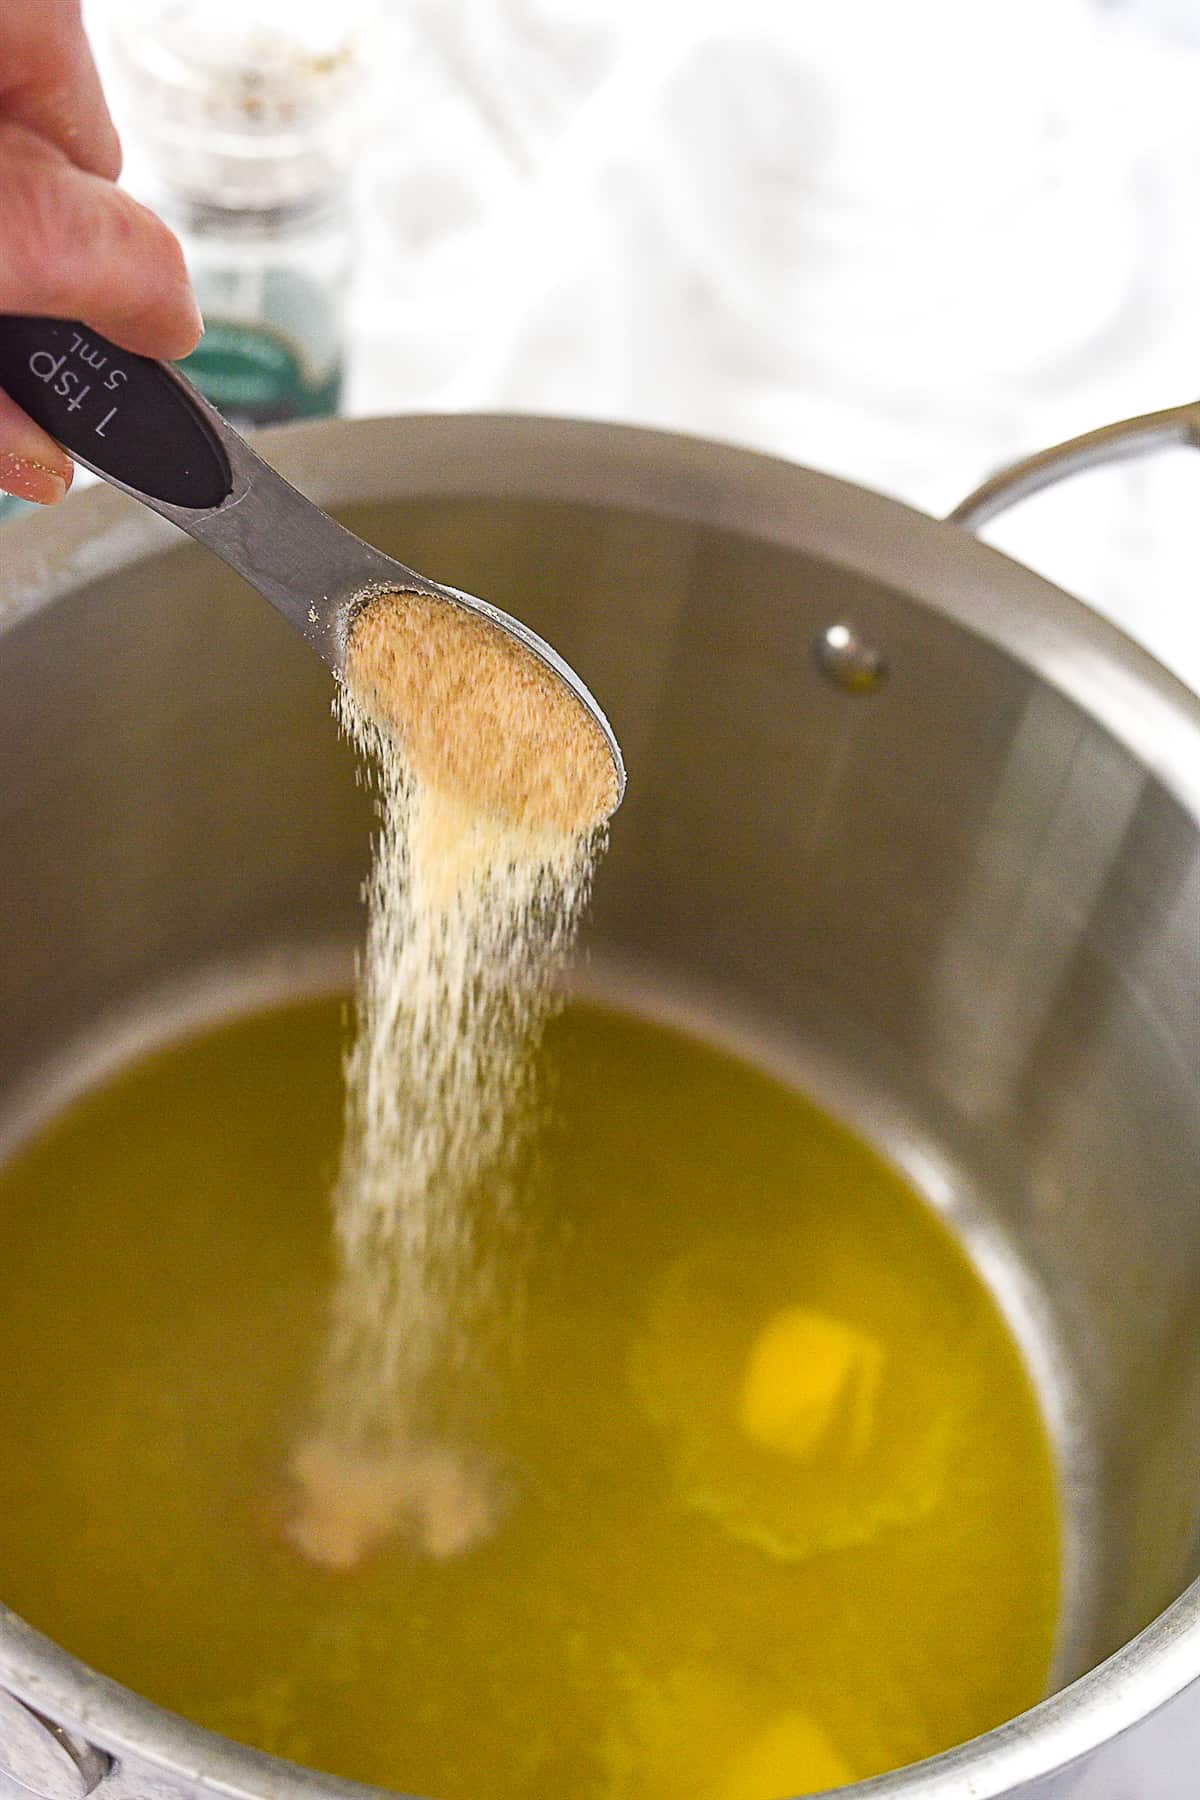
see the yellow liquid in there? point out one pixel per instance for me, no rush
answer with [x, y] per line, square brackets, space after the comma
[780, 1507]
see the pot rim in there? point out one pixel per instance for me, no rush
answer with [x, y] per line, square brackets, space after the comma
[629, 468]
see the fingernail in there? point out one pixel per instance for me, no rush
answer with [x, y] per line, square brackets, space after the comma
[183, 341]
[30, 480]
[197, 318]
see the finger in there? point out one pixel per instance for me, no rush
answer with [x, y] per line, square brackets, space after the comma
[76, 247]
[49, 82]
[32, 465]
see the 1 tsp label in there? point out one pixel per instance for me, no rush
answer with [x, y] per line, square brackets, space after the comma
[74, 373]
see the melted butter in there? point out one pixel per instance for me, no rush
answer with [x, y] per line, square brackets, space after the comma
[777, 1506]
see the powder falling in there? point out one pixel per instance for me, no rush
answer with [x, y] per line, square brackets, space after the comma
[494, 784]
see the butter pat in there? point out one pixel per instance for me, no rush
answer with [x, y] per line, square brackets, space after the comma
[792, 1756]
[808, 1378]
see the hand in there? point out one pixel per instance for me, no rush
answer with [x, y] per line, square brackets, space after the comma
[72, 244]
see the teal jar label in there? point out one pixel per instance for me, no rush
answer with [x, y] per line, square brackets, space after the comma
[255, 376]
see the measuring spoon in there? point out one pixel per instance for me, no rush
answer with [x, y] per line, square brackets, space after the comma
[143, 427]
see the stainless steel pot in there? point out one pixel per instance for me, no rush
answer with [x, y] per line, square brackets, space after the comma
[947, 868]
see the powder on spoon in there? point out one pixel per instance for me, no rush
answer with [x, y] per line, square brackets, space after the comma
[481, 719]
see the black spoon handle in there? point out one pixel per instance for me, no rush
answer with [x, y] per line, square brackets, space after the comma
[135, 421]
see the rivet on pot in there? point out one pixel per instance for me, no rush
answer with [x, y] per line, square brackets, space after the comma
[850, 659]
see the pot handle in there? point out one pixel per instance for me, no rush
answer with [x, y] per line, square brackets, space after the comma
[1121, 442]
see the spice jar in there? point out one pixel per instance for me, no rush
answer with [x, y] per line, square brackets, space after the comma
[239, 117]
